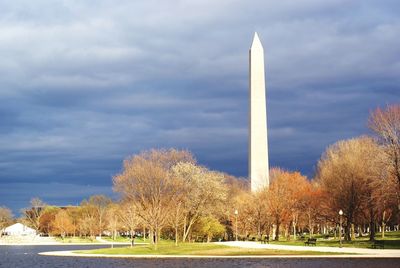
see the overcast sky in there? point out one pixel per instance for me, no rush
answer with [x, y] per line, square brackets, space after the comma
[84, 84]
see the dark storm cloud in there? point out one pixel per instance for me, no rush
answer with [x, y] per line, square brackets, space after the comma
[83, 86]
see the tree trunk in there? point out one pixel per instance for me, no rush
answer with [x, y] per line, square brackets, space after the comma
[187, 229]
[347, 232]
[277, 231]
[383, 224]
[184, 229]
[176, 235]
[287, 232]
[158, 235]
[294, 230]
[371, 230]
[151, 236]
[100, 223]
[310, 224]
[131, 233]
[334, 233]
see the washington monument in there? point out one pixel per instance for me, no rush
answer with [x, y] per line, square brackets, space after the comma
[258, 140]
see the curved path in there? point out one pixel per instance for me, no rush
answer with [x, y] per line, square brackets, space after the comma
[360, 252]
[387, 253]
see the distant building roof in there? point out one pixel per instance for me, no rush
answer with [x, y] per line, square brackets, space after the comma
[19, 229]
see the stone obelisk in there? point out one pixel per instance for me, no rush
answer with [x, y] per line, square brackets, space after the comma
[258, 141]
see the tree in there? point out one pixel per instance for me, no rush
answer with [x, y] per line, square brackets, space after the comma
[205, 192]
[129, 217]
[100, 203]
[310, 204]
[210, 227]
[345, 173]
[283, 197]
[33, 214]
[89, 222]
[113, 220]
[75, 213]
[177, 211]
[254, 213]
[62, 224]
[147, 182]
[386, 125]
[46, 219]
[6, 217]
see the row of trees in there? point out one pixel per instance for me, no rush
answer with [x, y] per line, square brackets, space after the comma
[166, 193]
[169, 190]
[359, 176]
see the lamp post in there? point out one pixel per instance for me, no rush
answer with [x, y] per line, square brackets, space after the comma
[236, 223]
[340, 227]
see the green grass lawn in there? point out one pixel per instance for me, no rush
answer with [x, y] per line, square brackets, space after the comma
[76, 240]
[200, 249]
[124, 239]
[392, 241]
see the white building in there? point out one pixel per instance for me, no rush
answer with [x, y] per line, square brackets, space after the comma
[19, 229]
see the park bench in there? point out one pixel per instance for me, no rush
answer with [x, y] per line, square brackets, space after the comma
[311, 242]
[378, 244]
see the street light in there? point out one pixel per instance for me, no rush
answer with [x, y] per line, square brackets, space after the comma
[340, 227]
[236, 223]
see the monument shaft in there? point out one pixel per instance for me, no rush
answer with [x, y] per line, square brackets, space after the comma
[258, 143]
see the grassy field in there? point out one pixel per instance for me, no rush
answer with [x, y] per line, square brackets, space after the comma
[392, 241]
[124, 239]
[76, 240]
[89, 240]
[200, 249]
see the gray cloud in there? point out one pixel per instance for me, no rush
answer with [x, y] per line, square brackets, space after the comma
[83, 86]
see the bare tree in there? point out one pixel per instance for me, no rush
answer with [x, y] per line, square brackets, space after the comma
[254, 214]
[310, 204]
[113, 219]
[146, 181]
[386, 124]
[345, 173]
[33, 214]
[129, 217]
[6, 217]
[100, 203]
[283, 197]
[62, 224]
[47, 218]
[177, 211]
[88, 222]
[205, 192]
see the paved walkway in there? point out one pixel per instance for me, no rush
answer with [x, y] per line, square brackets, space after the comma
[363, 251]
[103, 241]
[50, 241]
[28, 240]
[346, 252]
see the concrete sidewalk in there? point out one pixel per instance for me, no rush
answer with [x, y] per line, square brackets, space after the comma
[346, 252]
[363, 251]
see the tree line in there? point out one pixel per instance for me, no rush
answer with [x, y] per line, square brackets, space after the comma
[167, 194]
